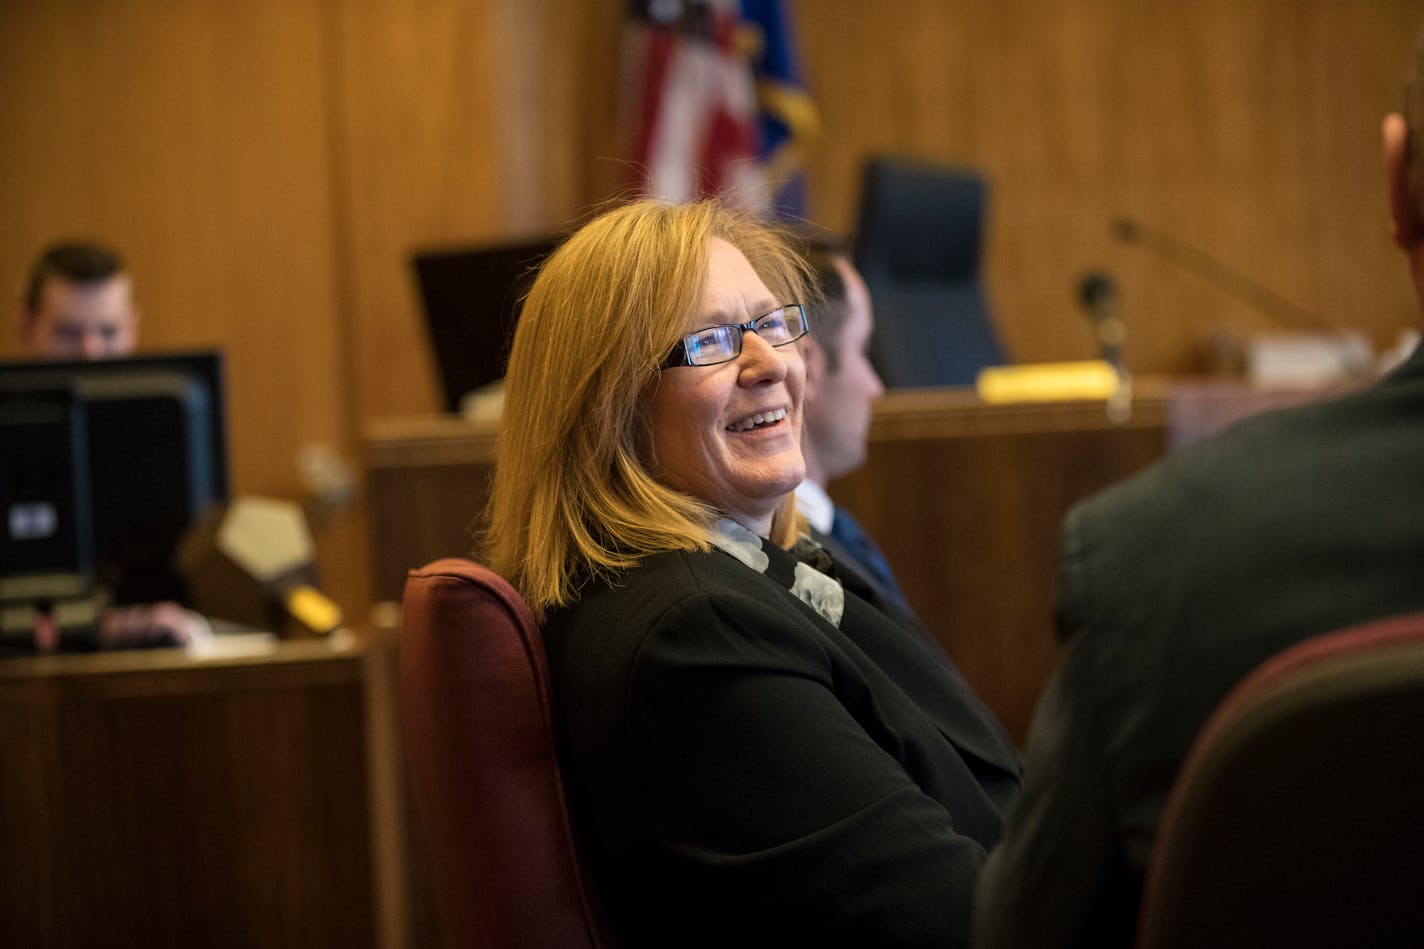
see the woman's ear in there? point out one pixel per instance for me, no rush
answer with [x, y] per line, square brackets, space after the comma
[1403, 208]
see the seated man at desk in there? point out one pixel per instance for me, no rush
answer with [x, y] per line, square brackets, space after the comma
[78, 304]
[840, 386]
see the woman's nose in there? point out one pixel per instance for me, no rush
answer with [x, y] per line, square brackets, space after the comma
[761, 361]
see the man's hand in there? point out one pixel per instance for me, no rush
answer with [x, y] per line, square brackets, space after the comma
[150, 625]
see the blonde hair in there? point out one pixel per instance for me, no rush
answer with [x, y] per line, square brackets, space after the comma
[573, 497]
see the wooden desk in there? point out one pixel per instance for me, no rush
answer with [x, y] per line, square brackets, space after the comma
[152, 799]
[965, 498]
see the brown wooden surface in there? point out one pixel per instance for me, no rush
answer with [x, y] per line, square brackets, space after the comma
[151, 799]
[965, 498]
[427, 478]
[1248, 129]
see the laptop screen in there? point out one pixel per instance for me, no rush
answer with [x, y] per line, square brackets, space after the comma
[471, 298]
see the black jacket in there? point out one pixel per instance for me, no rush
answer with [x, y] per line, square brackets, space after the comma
[744, 773]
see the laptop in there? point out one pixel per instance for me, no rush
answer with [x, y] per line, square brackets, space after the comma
[472, 298]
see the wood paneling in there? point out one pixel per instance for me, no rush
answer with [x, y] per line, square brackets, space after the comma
[269, 166]
[1247, 129]
[418, 162]
[459, 123]
[150, 799]
[429, 479]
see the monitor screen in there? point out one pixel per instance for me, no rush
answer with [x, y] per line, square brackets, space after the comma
[471, 298]
[44, 486]
[153, 457]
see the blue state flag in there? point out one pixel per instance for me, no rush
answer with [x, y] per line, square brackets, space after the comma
[789, 124]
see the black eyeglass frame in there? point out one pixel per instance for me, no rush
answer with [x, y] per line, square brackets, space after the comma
[678, 356]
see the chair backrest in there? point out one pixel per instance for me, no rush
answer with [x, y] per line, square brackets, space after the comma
[918, 244]
[1296, 819]
[480, 744]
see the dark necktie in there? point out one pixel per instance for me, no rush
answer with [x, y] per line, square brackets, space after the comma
[868, 558]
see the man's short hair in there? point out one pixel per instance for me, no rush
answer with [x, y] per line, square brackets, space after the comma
[828, 306]
[76, 261]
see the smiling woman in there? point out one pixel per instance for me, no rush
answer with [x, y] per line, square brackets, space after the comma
[586, 483]
[756, 751]
[730, 433]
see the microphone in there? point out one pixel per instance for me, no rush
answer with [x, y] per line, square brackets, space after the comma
[1097, 293]
[1221, 276]
[1301, 360]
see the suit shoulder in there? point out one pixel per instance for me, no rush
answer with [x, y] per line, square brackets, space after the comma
[660, 584]
[1225, 469]
[679, 609]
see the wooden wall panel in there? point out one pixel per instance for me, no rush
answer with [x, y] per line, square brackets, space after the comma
[418, 162]
[460, 123]
[1248, 129]
[152, 799]
[557, 121]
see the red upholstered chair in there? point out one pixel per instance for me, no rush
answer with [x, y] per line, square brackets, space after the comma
[474, 698]
[1298, 818]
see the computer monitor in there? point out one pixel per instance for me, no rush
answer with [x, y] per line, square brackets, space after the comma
[146, 456]
[472, 298]
[46, 540]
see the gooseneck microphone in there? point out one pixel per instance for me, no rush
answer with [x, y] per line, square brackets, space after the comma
[1097, 293]
[1221, 276]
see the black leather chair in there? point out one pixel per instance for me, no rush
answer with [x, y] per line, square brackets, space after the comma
[1298, 818]
[918, 244]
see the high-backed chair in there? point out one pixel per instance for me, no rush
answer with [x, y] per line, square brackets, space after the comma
[1298, 817]
[479, 736]
[918, 245]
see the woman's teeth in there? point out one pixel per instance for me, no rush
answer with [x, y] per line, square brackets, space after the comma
[753, 421]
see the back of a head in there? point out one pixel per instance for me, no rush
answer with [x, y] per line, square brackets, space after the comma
[572, 496]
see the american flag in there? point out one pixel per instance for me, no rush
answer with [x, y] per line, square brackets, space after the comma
[690, 100]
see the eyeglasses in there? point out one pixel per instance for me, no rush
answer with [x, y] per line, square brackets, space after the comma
[723, 342]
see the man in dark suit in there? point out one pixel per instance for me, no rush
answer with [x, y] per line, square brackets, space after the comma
[1177, 583]
[840, 386]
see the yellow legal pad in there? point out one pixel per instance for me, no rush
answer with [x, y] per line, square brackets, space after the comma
[1047, 382]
